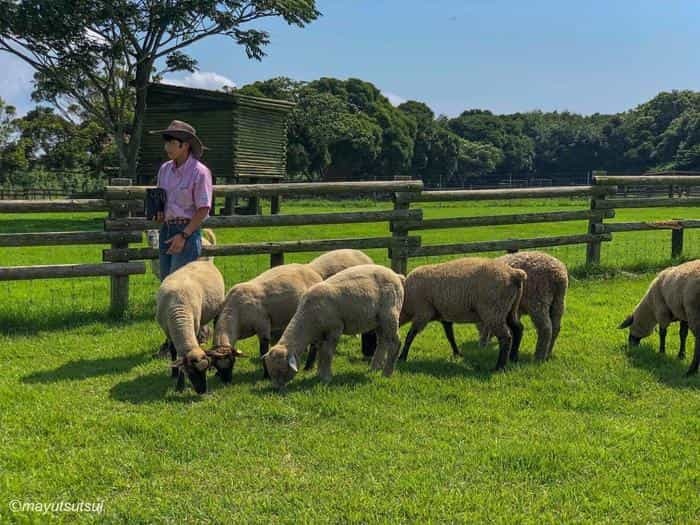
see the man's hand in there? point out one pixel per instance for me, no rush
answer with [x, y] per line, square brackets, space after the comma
[177, 244]
[160, 216]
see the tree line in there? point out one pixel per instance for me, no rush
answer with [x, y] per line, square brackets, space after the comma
[347, 129]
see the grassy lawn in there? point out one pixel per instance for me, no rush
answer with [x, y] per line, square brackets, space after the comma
[598, 434]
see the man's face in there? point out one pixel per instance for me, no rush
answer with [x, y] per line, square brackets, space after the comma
[175, 149]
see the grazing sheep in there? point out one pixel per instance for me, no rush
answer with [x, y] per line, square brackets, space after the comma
[327, 265]
[543, 296]
[468, 290]
[674, 295]
[187, 300]
[262, 306]
[356, 300]
[330, 263]
[153, 236]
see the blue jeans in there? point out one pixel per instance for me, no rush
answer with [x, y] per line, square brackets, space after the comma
[191, 251]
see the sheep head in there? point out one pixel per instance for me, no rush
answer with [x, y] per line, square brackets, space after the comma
[637, 333]
[282, 365]
[194, 364]
[223, 358]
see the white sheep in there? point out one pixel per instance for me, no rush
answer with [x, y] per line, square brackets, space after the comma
[330, 263]
[543, 298]
[327, 265]
[674, 295]
[187, 300]
[262, 306]
[468, 290]
[356, 300]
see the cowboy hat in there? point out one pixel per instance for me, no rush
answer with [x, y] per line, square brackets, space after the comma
[183, 131]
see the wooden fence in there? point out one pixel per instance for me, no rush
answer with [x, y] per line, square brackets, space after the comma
[124, 224]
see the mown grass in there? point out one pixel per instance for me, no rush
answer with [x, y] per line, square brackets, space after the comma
[598, 434]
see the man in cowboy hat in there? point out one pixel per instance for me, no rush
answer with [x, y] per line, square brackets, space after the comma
[188, 188]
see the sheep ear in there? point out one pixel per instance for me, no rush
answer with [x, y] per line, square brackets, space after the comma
[293, 364]
[176, 364]
[627, 322]
[265, 355]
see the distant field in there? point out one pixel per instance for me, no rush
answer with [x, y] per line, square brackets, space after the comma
[598, 434]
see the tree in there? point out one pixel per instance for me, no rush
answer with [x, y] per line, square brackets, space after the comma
[102, 55]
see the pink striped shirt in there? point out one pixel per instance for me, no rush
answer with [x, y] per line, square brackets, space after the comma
[187, 187]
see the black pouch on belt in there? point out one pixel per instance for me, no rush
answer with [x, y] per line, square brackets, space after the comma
[155, 202]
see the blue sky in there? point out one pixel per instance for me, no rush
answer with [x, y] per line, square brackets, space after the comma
[585, 56]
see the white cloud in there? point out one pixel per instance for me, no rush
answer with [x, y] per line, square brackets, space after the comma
[393, 98]
[201, 80]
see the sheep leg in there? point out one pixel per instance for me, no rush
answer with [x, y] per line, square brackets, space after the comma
[696, 358]
[264, 348]
[505, 341]
[450, 334]
[662, 339]
[556, 312]
[325, 357]
[516, 329]
[416, 327]
[543, 326]
[369, 343]
[311, 358]
[173, 357]
[684, 337]
[388, 346]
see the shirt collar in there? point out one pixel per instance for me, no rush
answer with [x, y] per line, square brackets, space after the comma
[185, 167]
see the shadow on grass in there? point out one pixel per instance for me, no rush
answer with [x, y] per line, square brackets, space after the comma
[476, 362]
[86, 368]
[310, 380]
[31, 324]
[667, 368]
[155, 387]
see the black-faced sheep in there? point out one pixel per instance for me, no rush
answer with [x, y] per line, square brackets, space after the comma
[356, 300]
[187, 300]
[543, 298]
[674, 295]
[468, 290]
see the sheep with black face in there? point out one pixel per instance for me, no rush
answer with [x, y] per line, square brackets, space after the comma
[188, 299]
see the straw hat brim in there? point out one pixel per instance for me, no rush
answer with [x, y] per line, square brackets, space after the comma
[193, 140]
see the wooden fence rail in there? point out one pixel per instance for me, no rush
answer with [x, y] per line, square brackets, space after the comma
[124, 225]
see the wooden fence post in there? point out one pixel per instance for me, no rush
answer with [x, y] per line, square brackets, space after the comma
[594, 226]
[676, 242]
[119, 284]
[398, 255]
[277, 258]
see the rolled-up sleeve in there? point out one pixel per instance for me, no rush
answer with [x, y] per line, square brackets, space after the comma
[203, 189]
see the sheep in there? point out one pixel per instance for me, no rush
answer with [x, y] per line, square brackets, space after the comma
[330, 263]
[543, 297]
[468, 290]
[674, 295]
[153, 236]
[262, 306]
[326, 266]
[187, 300]
[356, 300]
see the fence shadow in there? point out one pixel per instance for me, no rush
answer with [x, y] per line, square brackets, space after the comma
[87, 368]
[31, 324]
[667, 368]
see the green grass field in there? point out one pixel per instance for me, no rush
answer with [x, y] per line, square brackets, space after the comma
[598, 434]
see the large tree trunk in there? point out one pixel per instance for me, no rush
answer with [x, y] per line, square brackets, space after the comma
[143, 74]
